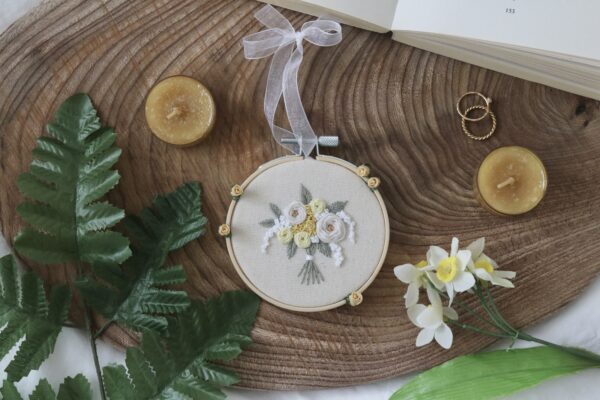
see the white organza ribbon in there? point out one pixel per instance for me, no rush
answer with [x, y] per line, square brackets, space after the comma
[285, 44]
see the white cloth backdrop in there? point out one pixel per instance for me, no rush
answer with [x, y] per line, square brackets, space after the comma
[576, 325]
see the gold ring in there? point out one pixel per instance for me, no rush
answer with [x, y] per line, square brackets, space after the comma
[487, 100]
[466, 130]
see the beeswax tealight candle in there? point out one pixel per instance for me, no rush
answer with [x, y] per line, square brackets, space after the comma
[511, 180]
[180, 110]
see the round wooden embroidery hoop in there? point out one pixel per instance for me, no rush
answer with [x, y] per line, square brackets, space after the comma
[266, 297]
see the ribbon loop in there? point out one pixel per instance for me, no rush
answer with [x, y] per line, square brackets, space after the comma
[285, 45]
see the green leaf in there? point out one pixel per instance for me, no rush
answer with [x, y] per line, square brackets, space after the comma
[492, 374]
[267, 223]
[337, 206]
[179, 365]
[291, 249]
[43, 391]
[133, 294]
[324, 249]
[305, 195]
[9, 391]
[77, 388]
[28, 316]
[69, 173]
[276, 210]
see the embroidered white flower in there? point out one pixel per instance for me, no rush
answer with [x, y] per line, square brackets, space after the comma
[331, 228]
[311, 225]
[431, 320]
[451, 269]
[416, 276]
[295, 213]
[485, 268]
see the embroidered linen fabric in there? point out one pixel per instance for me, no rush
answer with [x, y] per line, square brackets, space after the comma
[276, 275]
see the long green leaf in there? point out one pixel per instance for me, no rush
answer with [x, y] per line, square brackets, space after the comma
[492, 374]
[69, 174]
[134, 294]
[179, 366]
[27, 314]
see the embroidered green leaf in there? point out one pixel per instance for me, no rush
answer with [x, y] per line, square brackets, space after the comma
[267, 223]
[337, 206]
[324, 249]
[494, 374]
[27, 314]
[77, 388]
[276, 210]
[70, 172]
[133, 294]
[291, 249]
[180, 366]
[305, 196]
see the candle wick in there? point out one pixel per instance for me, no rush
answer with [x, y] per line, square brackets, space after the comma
[507, 182]
[174, 112]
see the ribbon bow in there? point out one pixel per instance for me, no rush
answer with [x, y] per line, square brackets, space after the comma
[285, 44]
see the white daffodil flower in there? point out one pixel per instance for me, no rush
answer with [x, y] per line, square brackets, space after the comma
[431, 320]
[451, 269]
[485, 268]
[416, 278]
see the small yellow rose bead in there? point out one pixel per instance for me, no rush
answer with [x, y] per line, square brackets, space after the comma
[363, 171]
[236, 191]
[374, 183]
[355, 299]
[224, 230]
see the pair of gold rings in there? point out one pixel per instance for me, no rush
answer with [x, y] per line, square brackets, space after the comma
[466, 118]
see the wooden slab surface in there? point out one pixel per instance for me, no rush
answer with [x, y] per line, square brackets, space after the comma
[391, 104]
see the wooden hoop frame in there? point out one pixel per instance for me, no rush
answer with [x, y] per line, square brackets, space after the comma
[264, 296]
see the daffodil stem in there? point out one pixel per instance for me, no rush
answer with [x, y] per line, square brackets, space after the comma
[466, 307]
[503, 321]
[479, 330]
[497, 320]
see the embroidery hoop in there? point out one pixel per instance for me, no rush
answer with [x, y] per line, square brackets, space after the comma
[259, 291]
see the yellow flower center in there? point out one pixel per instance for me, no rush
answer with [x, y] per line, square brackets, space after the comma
[484, 264]
[421, 264]
[309, 225]
[447, 269]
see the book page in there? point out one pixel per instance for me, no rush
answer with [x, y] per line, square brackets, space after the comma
[377, 16]
[568, 27]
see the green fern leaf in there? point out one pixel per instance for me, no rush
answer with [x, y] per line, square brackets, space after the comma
[77, 388]
[133, 294]
[27, 314]
[179, 367]
[69, 173]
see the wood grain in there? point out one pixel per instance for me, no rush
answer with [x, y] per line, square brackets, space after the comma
[392, 106]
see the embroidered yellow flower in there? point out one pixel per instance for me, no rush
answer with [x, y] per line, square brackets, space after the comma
[309, 225]
[317, 206]
[302, 240]
[285, 235]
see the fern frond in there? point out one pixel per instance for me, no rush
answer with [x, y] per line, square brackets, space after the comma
[133, 294]
[76, 388]
[179, 366]
[69, 173]
[26, 313]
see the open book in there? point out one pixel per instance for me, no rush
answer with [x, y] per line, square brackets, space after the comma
[553, 42]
